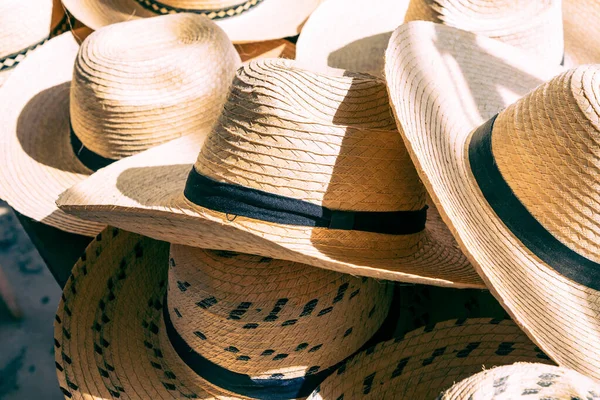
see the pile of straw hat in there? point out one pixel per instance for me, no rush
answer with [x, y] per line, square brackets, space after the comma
[402, 202]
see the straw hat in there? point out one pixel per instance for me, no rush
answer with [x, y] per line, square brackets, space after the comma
[428, 360]
[300, 166]
[134, 85]
[522, 203]
[358, 39]
[27, 25]
[242, 20]
[524, 380]
[173, 325]
[581, 19]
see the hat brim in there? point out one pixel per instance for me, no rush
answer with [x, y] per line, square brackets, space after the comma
[355, 42]
[108, 339]
[580, 24]
[37, 161]
[144, 194]
[429, 360]
[271, 19]
[453, 92]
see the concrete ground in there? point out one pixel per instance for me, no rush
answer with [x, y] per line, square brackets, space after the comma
[26, 344]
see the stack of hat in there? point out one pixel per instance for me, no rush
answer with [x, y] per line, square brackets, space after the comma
[263, 204]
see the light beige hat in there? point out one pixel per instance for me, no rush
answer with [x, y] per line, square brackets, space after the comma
[27, 25]
[581, 19]
[139, 322]
[531, 381]
[68, 110]
[520, 191]
[357, 35]
[301, 166]
[429, 360]
[242, 20]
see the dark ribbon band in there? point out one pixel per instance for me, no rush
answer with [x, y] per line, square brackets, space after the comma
[12, 60]
[238, 200]
[519, 220]
[91, 160]
[161, 8]
[245, 385]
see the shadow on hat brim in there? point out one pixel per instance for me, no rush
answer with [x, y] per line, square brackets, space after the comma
[453, 96]
[37, 161]
[271, 19]
[144, 194]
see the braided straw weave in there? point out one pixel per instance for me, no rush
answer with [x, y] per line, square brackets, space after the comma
[328, 140]
[244, 21]
[26, 25]
[358, 38]
[428, 360]
[546, 147]
[524, 380]
[135, 85]
[298, 321]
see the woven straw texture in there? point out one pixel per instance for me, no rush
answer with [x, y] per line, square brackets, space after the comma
[266, 20]
[219, 303]
[135, 85]
[559, 314]
[582, 35]
[429, 360]
[323, 139]
[25, 25]
[524, 380]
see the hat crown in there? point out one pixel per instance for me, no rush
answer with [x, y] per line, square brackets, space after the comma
[547, 148]
[535, 26]
[141, 83]
[202, 4]
[25, 23]
[328, 140]
[257, 316]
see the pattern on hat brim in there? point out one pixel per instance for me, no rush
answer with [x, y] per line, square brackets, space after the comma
[428, 360]
[267, 20]
[552, 309]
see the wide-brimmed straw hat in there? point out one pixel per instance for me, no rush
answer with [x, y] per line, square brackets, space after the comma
[300, 166]
[524, 380]
[27, 25]
[242, 20]
[429, 360]
[138, 320]
[358, 38]
[518, 188]
[67, 111]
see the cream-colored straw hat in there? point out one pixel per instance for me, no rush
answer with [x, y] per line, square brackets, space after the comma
[429, 360]
[26, 25]
[358, 38]
[242, 20]
[300, 166]
[530, 381]
[581, 19]
[67, 111]
[518, 188]
[141, 323]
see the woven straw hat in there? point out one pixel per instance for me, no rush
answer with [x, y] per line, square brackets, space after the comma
[524, 380]
[242, 20]
[429, 360]
[518, 191]
[27, 25]
[581, 21]
[358, 39]
[138, 321]
[134, 85]
[300, 166]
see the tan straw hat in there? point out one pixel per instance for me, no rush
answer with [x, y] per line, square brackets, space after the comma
[520, 191]
[138, 322]
[26, 25]
[358, 38]
[429, 360]
[134, 85]
[300, 166]
[530, 381]
[242, 20]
